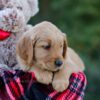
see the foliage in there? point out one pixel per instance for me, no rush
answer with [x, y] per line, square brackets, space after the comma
[80, 20]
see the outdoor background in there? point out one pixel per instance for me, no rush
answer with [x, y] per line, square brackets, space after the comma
[80, 20]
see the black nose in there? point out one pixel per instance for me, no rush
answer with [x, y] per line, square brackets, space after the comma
[58, 63]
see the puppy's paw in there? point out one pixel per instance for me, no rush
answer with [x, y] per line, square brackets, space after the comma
[60, 85]
[45, 77]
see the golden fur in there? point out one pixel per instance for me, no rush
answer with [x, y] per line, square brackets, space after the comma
[37, 51]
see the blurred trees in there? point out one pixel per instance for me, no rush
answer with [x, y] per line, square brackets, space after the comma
[80, 20]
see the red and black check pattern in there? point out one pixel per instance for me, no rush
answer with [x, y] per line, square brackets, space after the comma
[19, 85]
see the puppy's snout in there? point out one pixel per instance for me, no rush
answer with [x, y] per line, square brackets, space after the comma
[58, 63]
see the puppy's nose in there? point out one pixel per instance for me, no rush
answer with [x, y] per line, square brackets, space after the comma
[58, 63]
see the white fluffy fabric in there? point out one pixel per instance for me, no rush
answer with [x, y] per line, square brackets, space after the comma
[29, 7]
[34, 6]
[11, 20]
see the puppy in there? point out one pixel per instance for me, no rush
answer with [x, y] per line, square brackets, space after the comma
[44, 50]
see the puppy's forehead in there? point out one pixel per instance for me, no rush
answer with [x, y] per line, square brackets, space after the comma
[48, 30]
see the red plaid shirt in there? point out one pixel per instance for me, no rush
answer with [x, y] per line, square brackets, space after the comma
[19, 85]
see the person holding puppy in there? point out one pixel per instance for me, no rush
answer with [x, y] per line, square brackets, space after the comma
[44, 50]
[26, 84]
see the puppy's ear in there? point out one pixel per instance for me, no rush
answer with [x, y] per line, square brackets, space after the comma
[24, 49]
[64, 45]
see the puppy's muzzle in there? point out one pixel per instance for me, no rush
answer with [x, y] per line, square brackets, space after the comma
[58, 63]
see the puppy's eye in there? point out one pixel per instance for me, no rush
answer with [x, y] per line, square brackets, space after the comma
[46, 47]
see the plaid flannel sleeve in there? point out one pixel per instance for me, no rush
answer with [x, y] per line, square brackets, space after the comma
[19, 85]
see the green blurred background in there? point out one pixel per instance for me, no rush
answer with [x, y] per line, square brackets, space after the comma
[80, 20]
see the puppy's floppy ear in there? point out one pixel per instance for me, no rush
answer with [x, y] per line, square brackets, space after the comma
[64, 45]
[24, 49]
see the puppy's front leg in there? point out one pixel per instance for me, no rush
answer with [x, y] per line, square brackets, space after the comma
[61, 79]
[43, 76]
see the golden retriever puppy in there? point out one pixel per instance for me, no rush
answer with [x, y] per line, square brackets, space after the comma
[44, 50]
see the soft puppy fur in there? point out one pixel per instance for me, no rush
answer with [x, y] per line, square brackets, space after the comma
[44, 50]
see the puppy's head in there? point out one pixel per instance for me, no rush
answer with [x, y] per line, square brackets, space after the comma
[43, 46]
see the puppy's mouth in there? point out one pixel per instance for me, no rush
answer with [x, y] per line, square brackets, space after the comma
[53, 69]
[56, 70]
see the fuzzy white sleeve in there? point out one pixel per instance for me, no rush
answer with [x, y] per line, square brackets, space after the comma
[11, 20]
